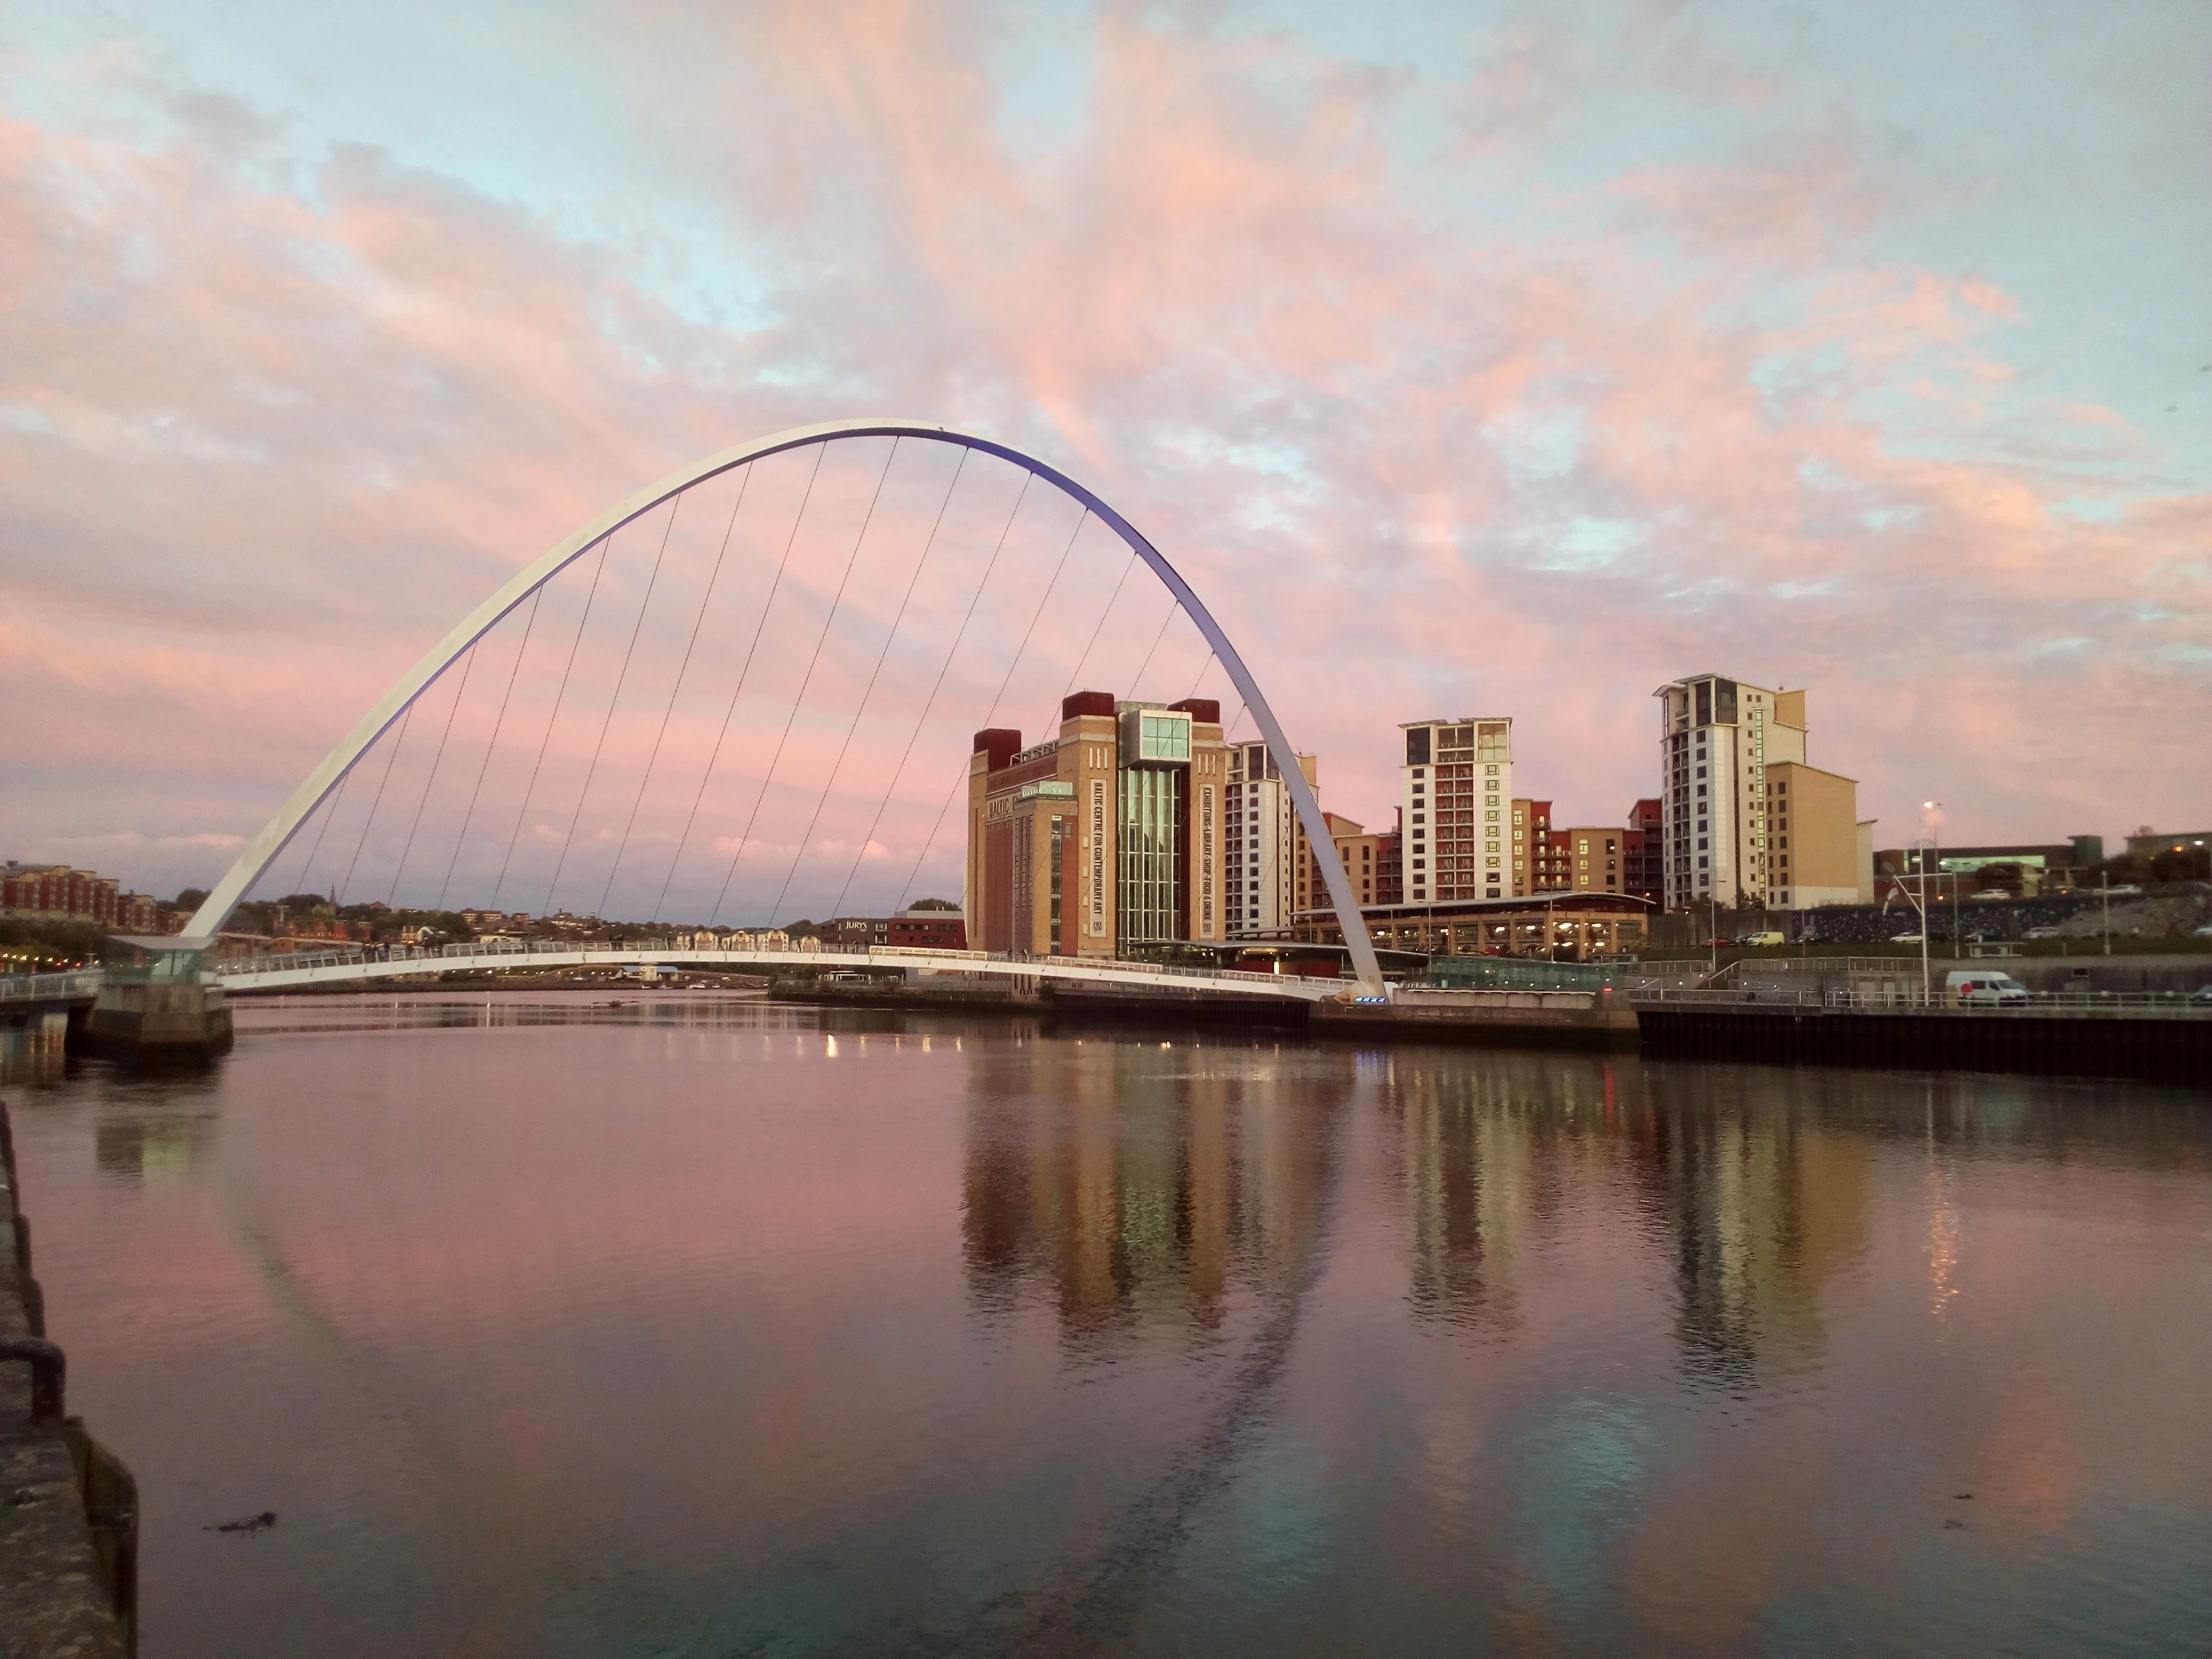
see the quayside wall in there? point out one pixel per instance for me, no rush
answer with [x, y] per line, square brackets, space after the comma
[2076, 1045]
[69, 1509]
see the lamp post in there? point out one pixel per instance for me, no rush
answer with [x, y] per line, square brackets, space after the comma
[1931, 851]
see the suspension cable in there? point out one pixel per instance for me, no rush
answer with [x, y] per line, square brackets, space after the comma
[1101, 623]
[868, 690]
[1175, 608]
[790, 716]
[930, 702]
[551, 721]
[714, 758]
[316, 851]
[677, 690]
[607, 719]
[529, 623]
[1035, 618]
[436, 761]
[1200, 680]
[398, 743]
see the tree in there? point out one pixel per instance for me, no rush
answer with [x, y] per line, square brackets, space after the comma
[191, 898]
[932, 904]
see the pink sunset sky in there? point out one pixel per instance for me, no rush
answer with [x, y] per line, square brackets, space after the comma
[1469, 360]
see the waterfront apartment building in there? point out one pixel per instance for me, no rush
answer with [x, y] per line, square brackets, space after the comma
[1265, 843]
[1642, 869]
[1534, 856]
[1590, 858]
[1746, 819]
[55, 892]
[1106, 836]
[1370, 858]
[1585, 859]
[1455, 793]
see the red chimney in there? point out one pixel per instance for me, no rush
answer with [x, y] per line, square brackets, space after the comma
[1000, 743]
[1203, 711]
[1087, 702]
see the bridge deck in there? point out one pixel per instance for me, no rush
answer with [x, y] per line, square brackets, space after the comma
[278, 973]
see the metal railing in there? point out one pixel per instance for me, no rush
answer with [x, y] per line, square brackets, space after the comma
[460, 955]
[2171, 1005]
[49, 987]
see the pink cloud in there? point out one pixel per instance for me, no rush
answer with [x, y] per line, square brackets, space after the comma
[278, 427]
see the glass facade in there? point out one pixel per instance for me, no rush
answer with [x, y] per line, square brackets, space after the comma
[1153, 734]
[1060, 944]
[1154, 811]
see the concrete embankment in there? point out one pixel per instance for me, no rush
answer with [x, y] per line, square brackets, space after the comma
[2082, 1043]
[69, 1509]
[1562, 1020]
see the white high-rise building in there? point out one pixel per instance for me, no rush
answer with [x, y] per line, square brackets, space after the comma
[1261, 834]
[1456, 790]
[1737, 793]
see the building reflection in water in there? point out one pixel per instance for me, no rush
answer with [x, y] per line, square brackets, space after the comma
[157, 1149]
[1764, 1185]
[1754, 1185]
[1474, 1175]
[1137, 1181]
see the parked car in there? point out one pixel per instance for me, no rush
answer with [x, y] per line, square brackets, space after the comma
[1904, 939]
[2042, 933]
[1977, 988]
[1770, 936]
[2120, 892]
[2201, 994]
[1989, 893]
[2205, 932]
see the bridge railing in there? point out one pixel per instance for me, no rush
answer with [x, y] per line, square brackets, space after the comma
[49, 987]
[740, 954]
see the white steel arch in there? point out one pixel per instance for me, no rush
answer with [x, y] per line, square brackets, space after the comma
[265, 849]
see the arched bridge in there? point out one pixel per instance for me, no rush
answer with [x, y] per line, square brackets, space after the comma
[340, 967]
[399, 704]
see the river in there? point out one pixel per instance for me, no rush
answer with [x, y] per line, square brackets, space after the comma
[710, 1327]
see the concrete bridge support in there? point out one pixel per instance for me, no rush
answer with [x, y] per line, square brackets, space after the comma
[156, 998]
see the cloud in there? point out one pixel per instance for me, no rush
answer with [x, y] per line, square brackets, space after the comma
[282, 409]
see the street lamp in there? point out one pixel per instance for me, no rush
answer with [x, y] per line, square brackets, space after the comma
[1933, 850]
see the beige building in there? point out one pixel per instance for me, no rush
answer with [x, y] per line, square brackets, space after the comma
[1745, 816]
[1105, 836]
[1456, 790]
[1265, 867]
[1366, 858]
[1590, 858]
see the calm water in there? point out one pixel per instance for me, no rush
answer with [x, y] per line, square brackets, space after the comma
[721, 1329]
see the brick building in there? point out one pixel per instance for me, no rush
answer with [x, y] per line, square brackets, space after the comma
[55, 892]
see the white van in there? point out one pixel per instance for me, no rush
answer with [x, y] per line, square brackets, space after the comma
[1978, 987]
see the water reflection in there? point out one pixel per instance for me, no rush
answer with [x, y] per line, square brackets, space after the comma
[700, 1325]
[1134, 1179]
[157, 1148]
